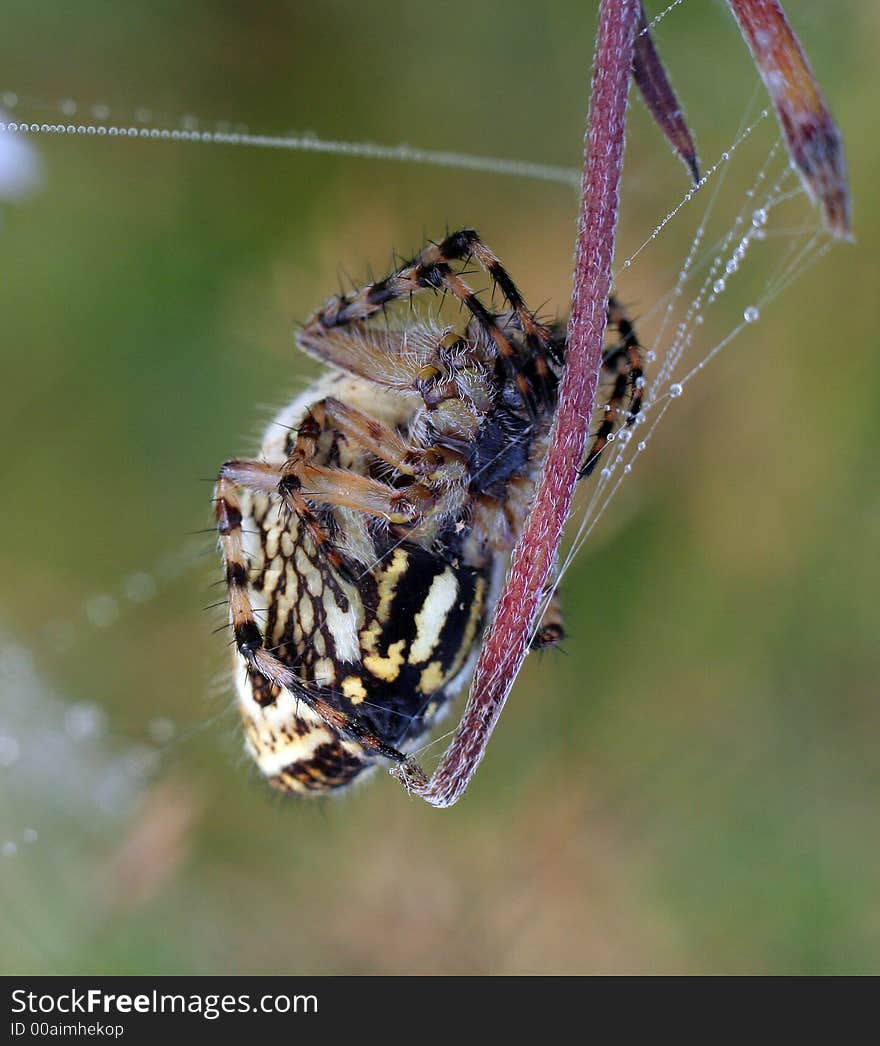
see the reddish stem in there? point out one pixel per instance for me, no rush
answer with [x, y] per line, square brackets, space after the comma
[507, 641]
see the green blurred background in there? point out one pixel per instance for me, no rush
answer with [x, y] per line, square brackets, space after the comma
[692, 787]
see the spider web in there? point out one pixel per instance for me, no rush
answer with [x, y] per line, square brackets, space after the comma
[765, 225]
[771, 217]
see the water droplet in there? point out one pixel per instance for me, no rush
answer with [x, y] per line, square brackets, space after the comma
[611, 437]
[642, 444]
[640, 382]
[732, 266]
[10, 99]
[675, 390]
[627, 468]
[83, 720]
[100, 111]
[102, 610]
[624, 436]
[10, 750]
[650, 356]
[718, 286]
[698, 320]
[605, 473]
[627, 263]
[759, 217]
[30, 836]
[725, 156]
[751, 314]
[9, 848]
[68, 106]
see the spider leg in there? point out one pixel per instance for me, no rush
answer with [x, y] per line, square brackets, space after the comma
[335, 486]
[260, 477]
[431, 270]
[551, 630]
[330, 486]
[431, 464]
[465, 244]
[624, 362]
[298, 482]
[249, 639]
[629, 344]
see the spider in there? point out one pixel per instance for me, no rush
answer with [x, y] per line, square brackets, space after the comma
[371, 537]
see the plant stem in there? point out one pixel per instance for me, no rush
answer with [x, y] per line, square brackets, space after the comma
[507, 641]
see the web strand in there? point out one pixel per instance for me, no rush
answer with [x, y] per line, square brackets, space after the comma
[309, 144]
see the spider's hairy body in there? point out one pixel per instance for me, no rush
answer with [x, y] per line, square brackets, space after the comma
[364, 549]
[393, 639]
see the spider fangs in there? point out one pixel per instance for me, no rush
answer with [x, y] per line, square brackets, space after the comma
[370, 538]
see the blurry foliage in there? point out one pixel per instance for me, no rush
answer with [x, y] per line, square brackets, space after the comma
[693, 785]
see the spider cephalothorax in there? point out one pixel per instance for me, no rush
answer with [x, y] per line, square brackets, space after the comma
[364, 549]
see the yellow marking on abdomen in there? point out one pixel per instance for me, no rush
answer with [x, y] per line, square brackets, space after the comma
[431, 678]
[354, 690]
[388, 583]
[386, 668]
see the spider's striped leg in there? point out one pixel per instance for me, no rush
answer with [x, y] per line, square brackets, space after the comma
[551, 630]
[441, 277]
[623, 361]
[288, 486]
[331, 486]
[629, 346]
[428, 271]
[286, 481]
[297, 481]
[249, 639]
[466, 244]
[334, 486]
[610, 411]
[301, 481]
[427, 464]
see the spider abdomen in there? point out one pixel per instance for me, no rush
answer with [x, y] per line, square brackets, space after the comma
[391, 636]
